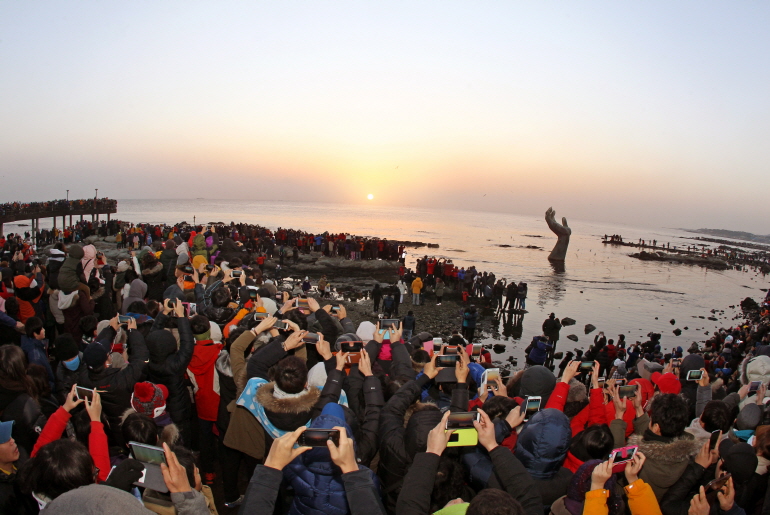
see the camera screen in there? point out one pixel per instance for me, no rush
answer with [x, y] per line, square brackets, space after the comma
[447, 361]
[461, 420]
[148, 453]
[318, 437]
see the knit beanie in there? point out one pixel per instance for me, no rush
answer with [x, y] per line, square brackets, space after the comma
[749, 417]
[123, 266]
[65, 347]
[149, 399]
[740, 460]
[75, 251]
[170, 245]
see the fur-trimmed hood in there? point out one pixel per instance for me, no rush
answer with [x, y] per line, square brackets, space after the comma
[289, 406]
[157, 268]
[666, 462]
[223, 364]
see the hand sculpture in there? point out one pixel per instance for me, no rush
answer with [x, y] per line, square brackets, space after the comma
[563, 231]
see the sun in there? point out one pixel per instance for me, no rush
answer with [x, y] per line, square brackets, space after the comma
[370, 196]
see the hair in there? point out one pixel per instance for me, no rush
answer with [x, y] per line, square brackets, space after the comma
[235, 332]
[449, 481]
[12, 307]
[149, 260]
[670, 412]
[81, 423]
[13, 368]
[187, 459]
[153, 308]
[291, 374]
[199, 324]
[39, 376]
[499, 406]
[58, 467]
[88, 325]
[138, 307]
[594, 443]
[130, 276]
[235, 262]
[762, 443]
[716, 416]
[491, 501]
[220, 297]
[33, 326]
[298, 318]
[139, 428]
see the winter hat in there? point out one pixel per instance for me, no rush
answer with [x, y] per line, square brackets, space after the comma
[170, 244]
[749, 417]
[740, 460]
[646, 368]
[6, 429]
[666, 383]
[161, 345]
[95, 355]
[123, 266]
[537, 380]
[65, 347]
[365, 331]
[577, 391]
[95, 500]
[75, 251]
[543, 443]
[729, 339]
[149, 399]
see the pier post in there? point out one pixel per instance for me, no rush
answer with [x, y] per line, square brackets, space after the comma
[1, 229]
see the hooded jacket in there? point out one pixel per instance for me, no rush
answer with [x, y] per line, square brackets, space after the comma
[205, 354]
[167, 364]
[666, 462]
[137, 291]
[154, 278]
[317, 481]
[69, 273]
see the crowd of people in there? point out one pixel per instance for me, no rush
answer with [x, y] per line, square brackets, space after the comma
[30, 208]
[162, 383]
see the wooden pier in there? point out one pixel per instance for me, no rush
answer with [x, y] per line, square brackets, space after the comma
[94, 207]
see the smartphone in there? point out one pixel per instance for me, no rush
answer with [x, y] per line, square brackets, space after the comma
[147, 453]
[437, 344]
[450, 350]
[627, 391]
[281, 325]
[351, 346]
[335, 310]
[123, 319]
[353, 358]
[236, 273]
[385, 323]
[476, 350]
[311, 338]
[300, 302]
[209, 268]
[490, 376]
[533, 406]
[602, 382]
[694, 375]
[624, 454]
[253, 294]
[447, 361]
[586, 366]
[714, 439]
[676, 362]
[318, 437]
[718, 483]
[188, 278]
[279, 296]
[754, 386]
[260, 315]
[463, 438]
[187, 269]
[84, 393]
[462, 419]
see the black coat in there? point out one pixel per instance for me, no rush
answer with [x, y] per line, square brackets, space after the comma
[171, 372]
[116, 385]
[27, 416]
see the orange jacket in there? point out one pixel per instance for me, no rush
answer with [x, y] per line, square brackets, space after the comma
[641, 500]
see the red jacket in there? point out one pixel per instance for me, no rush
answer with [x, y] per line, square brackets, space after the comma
[202, 365]
[97, 440]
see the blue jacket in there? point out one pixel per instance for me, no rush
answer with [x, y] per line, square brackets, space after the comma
[317, 481]
[543, 443]
[36, 351]
[539, 351]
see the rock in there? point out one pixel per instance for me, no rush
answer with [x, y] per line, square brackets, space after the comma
[686, 328]
[713, 319]
[505, 246]
[91, 239]
[590, 328]
[672, 321]
[567, 321]
[572, 337]
[748, 305]
[110, 239]
[498, 348]
[656, 318]
[432, 245]
[677, 332]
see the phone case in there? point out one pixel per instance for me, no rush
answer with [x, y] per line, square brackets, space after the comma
[465, 438]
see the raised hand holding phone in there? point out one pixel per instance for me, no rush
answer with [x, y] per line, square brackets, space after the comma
[94, 408]
[294, 340]
[601, 474]
[634, 466]
[365, 364]
[282, 452]
[486, 431]
[343, 456]
[174, 474]
[438, 437]
[72, 399]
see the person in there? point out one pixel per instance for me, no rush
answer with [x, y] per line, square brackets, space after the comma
[402, 289]
[408, 324]
[376, 297]
[35, 346]
[18, 398]
[439, 289]
[416, 289]
[469, 322]
[11, 498]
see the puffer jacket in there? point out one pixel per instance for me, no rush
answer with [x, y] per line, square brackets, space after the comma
[317, 481]
[399, 444]
[154, 279]
[167, 364]
[542, 447]
[168, 259]
[16, 405]
[539, 352]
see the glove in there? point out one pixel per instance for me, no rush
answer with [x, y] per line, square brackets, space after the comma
[125, 475]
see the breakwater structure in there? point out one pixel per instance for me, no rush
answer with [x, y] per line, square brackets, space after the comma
[34, 211]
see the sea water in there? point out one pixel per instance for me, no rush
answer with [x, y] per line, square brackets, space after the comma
[600, 284]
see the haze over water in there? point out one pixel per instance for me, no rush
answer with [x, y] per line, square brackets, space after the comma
[601, 285]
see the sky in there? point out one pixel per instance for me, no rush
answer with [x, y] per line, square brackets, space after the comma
[653, 113]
